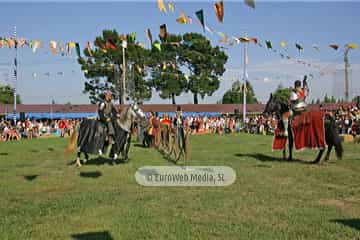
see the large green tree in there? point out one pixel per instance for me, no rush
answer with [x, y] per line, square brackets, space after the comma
[167, 77]
[7, 95]
[103, 67]
[204, 63]
[236, 94]
[282, 93]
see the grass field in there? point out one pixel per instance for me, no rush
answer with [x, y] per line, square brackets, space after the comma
[44, 198]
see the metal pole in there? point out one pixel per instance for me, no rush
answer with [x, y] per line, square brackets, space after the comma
[244, 79]
[347, 65]
[123, 96]
[15, 75]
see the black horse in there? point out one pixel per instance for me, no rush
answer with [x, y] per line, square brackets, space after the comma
[278, 107]
[91, 137]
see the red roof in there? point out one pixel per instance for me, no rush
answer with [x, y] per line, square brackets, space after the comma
[86, 108]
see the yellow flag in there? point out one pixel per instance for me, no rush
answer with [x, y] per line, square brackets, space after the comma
[283, 44]
[182, 19]
[53, 46]
[171, 6]
[161, 6]
[352, 45]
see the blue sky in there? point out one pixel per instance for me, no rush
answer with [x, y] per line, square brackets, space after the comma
[307, 23]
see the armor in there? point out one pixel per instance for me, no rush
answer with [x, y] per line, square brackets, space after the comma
[106, 111]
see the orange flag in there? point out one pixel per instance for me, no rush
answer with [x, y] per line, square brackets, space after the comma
[219, 10]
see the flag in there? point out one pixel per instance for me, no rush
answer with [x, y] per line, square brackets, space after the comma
[244, 39]
[53, 46]
[333, 46]
[222, 35]
[110, 44]
[219, 10]
[250, 3]
[157, 46]
[35, 45]
[352, 45]
[163, 32]
[182, 19]
[78, 49]
[224, 40]
[254, 40]
[171, 6]
[316, 47]
[132, 36]
[200, 15]
[161, 6]
[208, 29]
[299, 47]
[149, 35]
[88, 47]
[283, 44]
[268, 44]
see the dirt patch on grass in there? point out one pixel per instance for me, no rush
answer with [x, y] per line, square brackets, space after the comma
[340, 202]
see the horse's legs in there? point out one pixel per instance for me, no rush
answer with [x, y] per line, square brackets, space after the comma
[78, 163]
[317, 160]
[86, 157]
[284, 154]
[327, 156]
[291, 142]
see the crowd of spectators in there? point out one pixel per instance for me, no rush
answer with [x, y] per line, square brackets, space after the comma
[347, 121]
[36, 128]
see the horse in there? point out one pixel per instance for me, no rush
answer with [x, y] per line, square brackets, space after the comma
[278, 107]
[91, 135]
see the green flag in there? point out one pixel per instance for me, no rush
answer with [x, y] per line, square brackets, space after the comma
[200, 16]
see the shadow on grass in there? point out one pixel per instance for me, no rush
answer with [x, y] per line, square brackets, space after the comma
[94, 174]
[266, 158]
[34, 151]
[30, 177]
[93, 236]
[353, 223]
[4, 154]
[140, 145]
[51, 149]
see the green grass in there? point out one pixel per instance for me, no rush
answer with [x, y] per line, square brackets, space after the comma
[270, 199]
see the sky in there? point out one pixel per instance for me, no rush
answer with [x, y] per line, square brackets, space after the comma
[304, 22]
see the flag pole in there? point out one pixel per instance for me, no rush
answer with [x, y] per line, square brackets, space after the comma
[244, 80]
[15, 74]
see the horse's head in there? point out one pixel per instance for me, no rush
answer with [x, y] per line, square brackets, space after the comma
[273, 105]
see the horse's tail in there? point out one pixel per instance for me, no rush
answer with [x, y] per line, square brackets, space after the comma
[72, 143]
[335, 138]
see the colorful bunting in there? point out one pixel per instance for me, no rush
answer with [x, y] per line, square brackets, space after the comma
[299, 47]
[250, 3]
[182, 19]
[171, 6]
[149, 36]
[352, 45]
[163, 32]
[157, 46]
[200, 15]
[78, 49]
[316, 47]
[161, 6]
[334, 46]
[53, 45]
[219, 10]
[268, 44]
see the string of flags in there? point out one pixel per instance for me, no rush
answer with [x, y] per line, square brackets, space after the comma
[232, 40]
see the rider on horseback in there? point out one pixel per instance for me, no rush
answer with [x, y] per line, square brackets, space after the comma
[297, 103]
[179, 124]
[107, 110]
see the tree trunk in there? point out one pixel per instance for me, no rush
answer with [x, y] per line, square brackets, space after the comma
[195, 98]
[173, 98]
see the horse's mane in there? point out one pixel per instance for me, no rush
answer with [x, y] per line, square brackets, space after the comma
[283, 106]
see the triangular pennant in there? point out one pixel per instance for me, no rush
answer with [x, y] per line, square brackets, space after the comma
[157, 46]
[78, 49]
[200, 15]
[299, 47]
[352, 45]
[268, 44]
[250, 3]
[149, 36]
[163, 32]
[334, 46]
[219, 10]
[171, 6]
[161, 6]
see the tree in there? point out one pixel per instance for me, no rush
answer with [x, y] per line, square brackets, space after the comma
[103, 67]
[204, 63]
[236, 94]
[167, 78]
[282, 93]
[7, 95]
